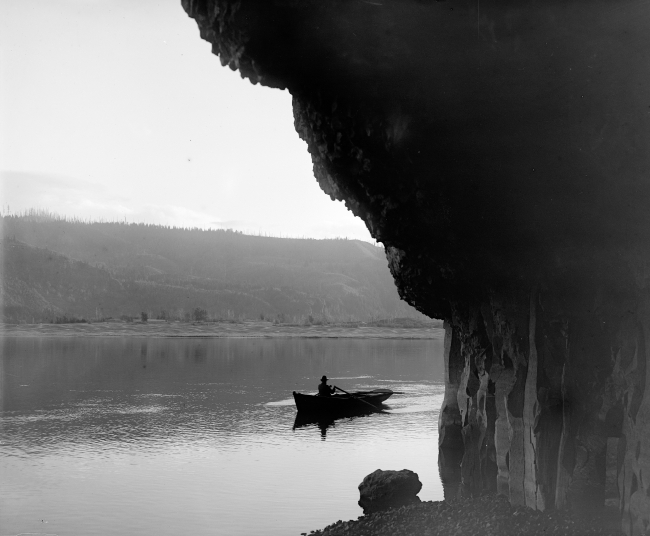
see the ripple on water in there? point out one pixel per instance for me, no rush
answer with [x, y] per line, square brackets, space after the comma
[285, 402]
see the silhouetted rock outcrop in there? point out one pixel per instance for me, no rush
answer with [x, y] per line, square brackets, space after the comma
[499, 151]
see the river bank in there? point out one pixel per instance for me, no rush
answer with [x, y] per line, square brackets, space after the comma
[247, 329]
[487, 515]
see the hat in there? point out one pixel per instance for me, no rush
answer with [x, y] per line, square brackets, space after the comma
[323, 379]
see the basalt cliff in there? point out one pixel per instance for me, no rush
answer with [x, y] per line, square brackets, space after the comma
[501, 153]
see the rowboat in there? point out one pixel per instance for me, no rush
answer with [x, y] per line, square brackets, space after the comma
[358, 401]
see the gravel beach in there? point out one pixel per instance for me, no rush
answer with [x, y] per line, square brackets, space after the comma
[487, 515]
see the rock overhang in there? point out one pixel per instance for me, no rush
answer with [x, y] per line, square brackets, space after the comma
[491, 142]
[500, 150]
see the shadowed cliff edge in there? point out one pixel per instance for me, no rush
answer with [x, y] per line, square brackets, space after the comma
[499, 151]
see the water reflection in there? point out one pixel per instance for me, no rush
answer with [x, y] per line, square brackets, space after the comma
[142, 436]
[325, 421]
[449, 467]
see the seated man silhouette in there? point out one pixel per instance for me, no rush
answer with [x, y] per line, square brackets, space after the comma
[324, 389]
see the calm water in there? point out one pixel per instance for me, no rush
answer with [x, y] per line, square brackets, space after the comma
[108, 436]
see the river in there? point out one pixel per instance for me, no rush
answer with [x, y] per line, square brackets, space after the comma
[141, 436]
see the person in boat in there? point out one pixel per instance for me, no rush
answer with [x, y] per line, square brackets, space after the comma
[324, 389]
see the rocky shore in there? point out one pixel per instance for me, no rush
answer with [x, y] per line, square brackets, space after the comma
[487, 515]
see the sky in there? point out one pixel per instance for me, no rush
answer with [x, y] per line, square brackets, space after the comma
[118, 110]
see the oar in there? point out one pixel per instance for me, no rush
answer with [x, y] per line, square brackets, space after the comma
[357, 398]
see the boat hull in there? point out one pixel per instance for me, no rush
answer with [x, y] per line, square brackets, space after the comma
[362, 401]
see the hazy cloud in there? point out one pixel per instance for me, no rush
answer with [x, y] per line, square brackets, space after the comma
[57, 193]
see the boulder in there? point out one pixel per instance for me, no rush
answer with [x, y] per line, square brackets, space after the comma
[387, 489]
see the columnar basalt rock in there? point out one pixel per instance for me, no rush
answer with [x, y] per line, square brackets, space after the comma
[449, 420]
[501, 156]
[544, 442]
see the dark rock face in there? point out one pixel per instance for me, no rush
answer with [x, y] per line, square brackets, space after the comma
[381, 490]
[499, 151]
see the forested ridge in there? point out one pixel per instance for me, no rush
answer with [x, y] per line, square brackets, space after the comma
[58, 268]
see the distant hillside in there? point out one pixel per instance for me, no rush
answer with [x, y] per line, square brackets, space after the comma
[53, 267]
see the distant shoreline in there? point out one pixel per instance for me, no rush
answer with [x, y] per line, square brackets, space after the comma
[248, 329]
